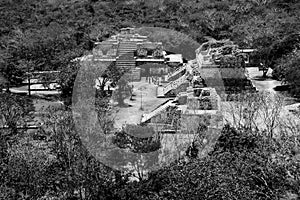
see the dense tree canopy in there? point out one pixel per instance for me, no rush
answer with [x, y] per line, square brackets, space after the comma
[49, 34]
[243, 165]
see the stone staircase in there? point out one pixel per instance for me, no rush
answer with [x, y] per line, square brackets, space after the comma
[127, 48]
[125, 54]
[176, 73]
[157, 111]
[125, 63]
[174, 84]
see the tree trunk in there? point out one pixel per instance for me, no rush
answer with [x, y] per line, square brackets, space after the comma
[265, 71]
[7, 87]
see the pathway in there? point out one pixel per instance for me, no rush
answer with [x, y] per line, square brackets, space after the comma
[260, 83]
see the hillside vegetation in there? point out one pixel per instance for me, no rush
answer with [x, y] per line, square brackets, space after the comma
[47, 34]
[52, 162]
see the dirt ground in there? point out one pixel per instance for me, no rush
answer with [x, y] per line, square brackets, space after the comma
[145, 97]
[262, 83]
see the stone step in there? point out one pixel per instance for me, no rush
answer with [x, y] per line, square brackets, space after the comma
[125, 61]
[160, 92]
[124, 65]
[157, 111]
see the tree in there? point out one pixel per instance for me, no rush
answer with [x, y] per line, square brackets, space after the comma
[12, 72]
[258, 111]
[122, 92]
[141, 141]
[241, 166]
[74, 171]
[14, 110]
[287, 70]
[105, 114]
[112, 74]
[28, 164]
[66, 80]
[3, 82]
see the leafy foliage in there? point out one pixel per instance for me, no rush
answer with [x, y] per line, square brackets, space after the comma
[239, 167]
[138, 138]
[122, 92]
[287, 70]
[49, 34]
